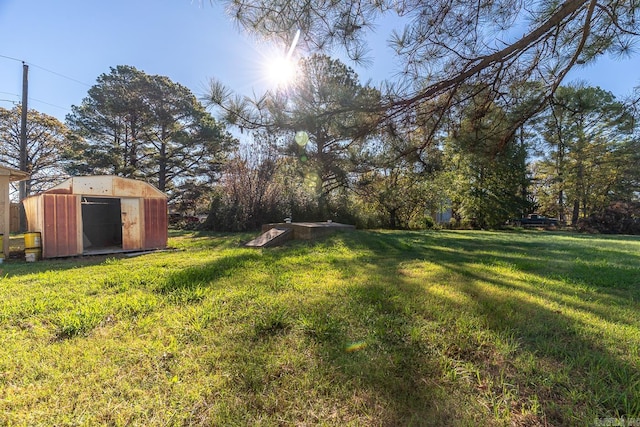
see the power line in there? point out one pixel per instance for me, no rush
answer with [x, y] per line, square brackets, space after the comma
[46, 69]
[30, 99]
[9, 57]
[10, 93]
[16, 103]
[60, 75]
[49, 104]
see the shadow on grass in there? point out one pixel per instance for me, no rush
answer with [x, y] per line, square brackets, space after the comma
[457, 346]
[21, 268]
[574, 377]
[181, 239]
[207, 275]
[199, 239]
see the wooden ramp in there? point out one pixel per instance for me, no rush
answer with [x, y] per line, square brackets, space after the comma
[272, 237]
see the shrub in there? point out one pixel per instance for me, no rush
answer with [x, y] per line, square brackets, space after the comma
[617, 218]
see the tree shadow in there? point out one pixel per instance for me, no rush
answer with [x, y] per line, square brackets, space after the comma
[206, 275]
[454, 345]
[15, 268]
[557, 338]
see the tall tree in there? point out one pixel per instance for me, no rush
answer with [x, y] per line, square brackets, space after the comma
[486, 175]
[587, 134]
[324, 140]
[182, 139]
[137, 125]
[323, 85]
[395, 186]
[47, 139]
[110, 121]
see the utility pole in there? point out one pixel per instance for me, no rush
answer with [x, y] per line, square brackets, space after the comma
[22, 185]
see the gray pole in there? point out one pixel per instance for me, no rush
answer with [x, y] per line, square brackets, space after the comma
[22, 185]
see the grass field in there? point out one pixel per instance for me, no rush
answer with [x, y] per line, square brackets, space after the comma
[365, 328]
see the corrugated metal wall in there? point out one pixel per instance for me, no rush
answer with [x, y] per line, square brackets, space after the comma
[60, 237]
[155, 223]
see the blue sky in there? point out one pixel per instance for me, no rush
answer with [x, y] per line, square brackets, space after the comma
[69, 43]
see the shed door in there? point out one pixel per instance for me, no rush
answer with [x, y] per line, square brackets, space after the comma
[131, 227]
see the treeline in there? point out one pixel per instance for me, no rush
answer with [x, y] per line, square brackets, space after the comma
[319, 150]
[476, 164]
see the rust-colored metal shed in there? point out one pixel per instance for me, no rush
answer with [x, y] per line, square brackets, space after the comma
[98, 214]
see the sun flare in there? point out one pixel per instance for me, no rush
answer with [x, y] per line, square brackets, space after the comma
[281, 71]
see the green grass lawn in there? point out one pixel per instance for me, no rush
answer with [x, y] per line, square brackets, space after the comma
[364, 328]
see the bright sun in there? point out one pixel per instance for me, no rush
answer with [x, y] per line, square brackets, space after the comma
[281, 71]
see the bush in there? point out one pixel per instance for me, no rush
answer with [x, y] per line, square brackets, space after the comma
[617, 218]
[184, 222]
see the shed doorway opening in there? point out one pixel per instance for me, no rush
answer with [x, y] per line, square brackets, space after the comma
[101, 223]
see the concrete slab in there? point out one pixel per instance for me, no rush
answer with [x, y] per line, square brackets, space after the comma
[310, 230]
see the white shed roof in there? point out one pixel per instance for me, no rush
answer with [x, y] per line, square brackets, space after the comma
[107, 186]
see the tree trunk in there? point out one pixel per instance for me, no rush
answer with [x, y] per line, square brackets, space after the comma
[162, 162]
[576, 212]
[561, 214]
[393, 219]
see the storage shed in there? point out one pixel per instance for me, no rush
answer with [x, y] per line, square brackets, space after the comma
[98, 214]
